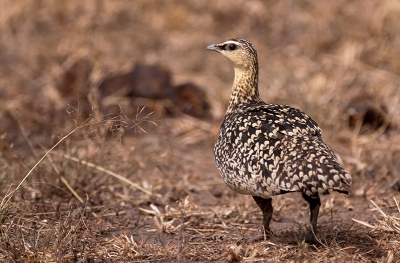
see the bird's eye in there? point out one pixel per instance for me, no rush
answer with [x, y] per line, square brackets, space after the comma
[232, 46]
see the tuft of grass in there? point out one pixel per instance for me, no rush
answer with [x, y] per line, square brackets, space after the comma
[390, 223]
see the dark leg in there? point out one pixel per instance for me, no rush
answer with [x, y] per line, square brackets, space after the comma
[266, 208]
[315, 203]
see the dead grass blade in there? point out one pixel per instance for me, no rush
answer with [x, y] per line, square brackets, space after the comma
[64, 180]
[119, 177]
[7, 198]
[389, 223]
[364, 223]
[136, 124]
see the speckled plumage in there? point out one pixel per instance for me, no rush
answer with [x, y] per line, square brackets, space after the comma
[268, 149]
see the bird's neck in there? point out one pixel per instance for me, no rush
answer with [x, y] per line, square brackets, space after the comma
[244, 89]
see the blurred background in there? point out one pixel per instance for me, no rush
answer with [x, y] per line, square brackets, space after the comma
[313, 55]
[140, 70]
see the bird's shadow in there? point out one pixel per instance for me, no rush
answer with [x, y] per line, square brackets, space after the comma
[345, 237]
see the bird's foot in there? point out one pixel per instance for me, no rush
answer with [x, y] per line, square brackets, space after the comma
[311, 238]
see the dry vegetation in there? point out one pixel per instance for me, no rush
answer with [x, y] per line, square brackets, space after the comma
[130, 186]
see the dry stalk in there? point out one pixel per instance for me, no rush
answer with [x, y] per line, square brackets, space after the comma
[8, 196]
[185, 209]
[119, 177]
[389, 223]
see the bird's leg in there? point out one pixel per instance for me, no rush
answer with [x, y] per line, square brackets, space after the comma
[314, 203]
[266, 208]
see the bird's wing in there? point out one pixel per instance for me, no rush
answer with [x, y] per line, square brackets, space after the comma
[312, 166]
[308, 162]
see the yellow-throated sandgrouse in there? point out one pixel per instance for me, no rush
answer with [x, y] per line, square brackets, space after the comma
[268, 149]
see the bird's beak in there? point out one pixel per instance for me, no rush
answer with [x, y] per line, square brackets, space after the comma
[213, 48]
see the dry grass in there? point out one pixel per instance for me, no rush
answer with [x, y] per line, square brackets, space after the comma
[118, 188]
[390, 223]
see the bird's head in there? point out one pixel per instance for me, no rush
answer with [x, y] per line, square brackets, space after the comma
[240, 51]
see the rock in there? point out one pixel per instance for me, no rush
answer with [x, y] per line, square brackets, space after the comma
[152, 82]
[76, 79]
[190, 99]
[363, 109]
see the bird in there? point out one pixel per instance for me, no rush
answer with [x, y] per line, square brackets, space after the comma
[264, 150]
